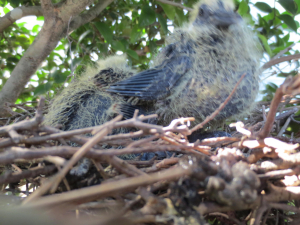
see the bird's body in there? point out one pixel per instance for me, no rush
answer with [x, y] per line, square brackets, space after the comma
[84, 103]
[199, 67]
[190, 77]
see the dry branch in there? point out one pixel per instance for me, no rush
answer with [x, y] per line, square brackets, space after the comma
[219, 179]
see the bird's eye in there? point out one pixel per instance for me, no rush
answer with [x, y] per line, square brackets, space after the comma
[201, 11]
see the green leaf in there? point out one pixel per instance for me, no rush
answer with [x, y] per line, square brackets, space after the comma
[243, 8]
[105, 31]
[125, 43]
[15, 3]
[152, 46]
[298, 4]
[278, 49]
[163, 23]
[117, 45]
[265, 44]
[147, 16]
[263, 7]
[132, 54]
[60, 47]
[23, 40]
[6, 10]
[40, 18]
[289, 5]
[36, 28]
[12, 59]
[169, 10]
[286, 38]
[103, 47]
[43, 88]
[136, 32]
[59, 77]
[76, 62]
[180, 17]
[289, 21]
[82, 36]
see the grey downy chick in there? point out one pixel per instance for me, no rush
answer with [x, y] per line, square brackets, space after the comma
[200, 65]
[84, 103]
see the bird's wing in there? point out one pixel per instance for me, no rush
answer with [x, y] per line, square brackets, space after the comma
[154, 83]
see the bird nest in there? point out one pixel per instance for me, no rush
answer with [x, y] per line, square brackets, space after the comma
[249, 177]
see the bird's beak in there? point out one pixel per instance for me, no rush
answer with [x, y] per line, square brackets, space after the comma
[224, 18]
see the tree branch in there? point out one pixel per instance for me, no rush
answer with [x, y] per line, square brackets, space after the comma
[54, 28]
[17, 14]
[46, 4]
[48, 10]
[284, 51]
[275, 61]
[75, 7]
[89, 15]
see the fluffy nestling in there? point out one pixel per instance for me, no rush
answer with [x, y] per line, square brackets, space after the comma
[199, 67]
[84, 103]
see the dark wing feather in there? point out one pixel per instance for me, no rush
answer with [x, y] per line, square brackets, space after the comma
[154, 83]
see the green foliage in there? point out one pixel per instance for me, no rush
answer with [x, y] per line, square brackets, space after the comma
[137, 28]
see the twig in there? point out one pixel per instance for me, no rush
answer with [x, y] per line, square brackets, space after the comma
[227, 217]
[285, 126]
[290, 87]
[275, 61]
[33, 172]
[107, 189]
[26, 124]
[67, 151]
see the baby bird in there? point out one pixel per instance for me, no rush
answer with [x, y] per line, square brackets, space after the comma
[84, 103]
[198, 68]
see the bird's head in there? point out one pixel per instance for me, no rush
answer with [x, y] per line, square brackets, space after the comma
[219, 13]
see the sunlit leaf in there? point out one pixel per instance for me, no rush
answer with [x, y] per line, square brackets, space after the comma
[6, 10]
[60, 47]
[243, 8]
[40, 18]
[36, 28]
